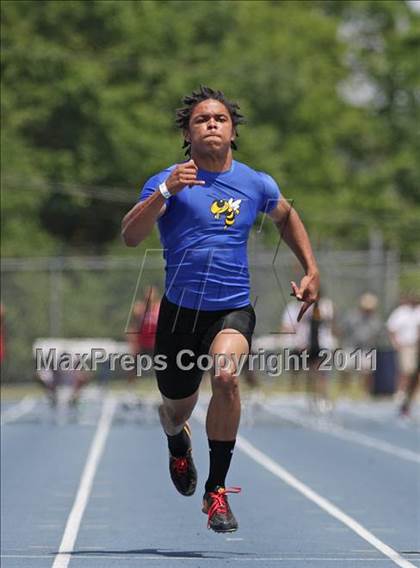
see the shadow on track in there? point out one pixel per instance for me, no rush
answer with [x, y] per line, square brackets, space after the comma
[161, 552]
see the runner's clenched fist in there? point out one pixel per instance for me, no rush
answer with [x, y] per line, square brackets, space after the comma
[183, 175]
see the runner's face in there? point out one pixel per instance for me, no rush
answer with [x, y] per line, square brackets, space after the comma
[210, 127]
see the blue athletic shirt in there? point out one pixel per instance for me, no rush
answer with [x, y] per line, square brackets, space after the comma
[204, 233]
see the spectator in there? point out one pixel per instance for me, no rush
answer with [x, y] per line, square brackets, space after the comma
[314, 333]
[52, 379]
[403, 327]
[412, 386]
[293, 339]
[361, 329]
[142, 333]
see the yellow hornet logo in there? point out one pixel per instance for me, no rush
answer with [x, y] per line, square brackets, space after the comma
[227, 208]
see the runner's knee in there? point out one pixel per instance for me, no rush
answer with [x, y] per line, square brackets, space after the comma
[226, 381]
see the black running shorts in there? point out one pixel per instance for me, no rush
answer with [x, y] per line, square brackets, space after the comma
[184, 328]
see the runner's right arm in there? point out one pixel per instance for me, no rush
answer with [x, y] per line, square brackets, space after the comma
[140, 220]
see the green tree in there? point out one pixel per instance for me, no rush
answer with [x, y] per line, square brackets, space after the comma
[89, 90]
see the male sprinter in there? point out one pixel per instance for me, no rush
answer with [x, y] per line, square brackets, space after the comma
[205, 208]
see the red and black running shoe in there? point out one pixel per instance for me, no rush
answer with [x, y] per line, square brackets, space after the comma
[182, 470]
[216, 506]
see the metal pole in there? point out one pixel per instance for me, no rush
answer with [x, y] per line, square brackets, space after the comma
[56, 293]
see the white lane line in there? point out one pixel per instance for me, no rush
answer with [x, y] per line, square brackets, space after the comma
[18, 410]
[85, 486]
[348, 435]
[277, 470]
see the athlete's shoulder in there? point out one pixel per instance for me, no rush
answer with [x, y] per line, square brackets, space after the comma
[259, 176]
[267, 180]
[244, 169]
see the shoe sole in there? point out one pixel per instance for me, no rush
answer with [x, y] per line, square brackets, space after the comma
[221, 531]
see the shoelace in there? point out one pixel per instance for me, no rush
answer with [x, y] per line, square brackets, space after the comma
[180, 465]
[219, 502]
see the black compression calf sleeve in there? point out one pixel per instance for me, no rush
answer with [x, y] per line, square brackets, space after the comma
[220, 457]
[179, 444]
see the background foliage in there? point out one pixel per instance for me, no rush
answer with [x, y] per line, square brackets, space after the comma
[331, 92]
[330, 88]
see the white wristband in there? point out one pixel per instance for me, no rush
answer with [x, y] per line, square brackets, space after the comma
[164, 190]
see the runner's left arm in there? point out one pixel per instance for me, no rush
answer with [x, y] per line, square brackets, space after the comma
[293, 232]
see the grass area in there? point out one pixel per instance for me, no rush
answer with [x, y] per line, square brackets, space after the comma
[147, 386]
[10, 391]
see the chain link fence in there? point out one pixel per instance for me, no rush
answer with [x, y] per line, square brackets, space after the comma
[80, 297]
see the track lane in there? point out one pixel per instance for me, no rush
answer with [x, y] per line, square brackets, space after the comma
[135, 517]
[40, 469]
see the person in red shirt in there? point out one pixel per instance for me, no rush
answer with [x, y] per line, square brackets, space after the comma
[142, 333]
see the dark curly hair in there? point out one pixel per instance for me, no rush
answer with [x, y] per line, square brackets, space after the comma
[204, 93]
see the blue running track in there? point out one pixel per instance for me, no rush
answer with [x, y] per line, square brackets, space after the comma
[90, 488]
